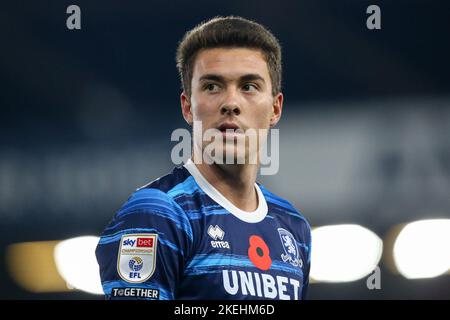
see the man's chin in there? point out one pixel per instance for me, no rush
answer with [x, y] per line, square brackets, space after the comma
[228, 154]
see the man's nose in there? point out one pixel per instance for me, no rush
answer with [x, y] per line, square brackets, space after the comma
[230, 109]
[231, 104]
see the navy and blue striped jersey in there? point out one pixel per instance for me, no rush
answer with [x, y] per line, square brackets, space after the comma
[179, 238]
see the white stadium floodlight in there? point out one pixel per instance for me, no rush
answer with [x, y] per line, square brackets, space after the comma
[422, 249]
[344, 253]
[76, 263]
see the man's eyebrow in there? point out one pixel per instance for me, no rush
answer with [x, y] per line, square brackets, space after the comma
[213, 77]
[244, 78]
[251, 77]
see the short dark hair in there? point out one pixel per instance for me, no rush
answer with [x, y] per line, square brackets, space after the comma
[228, 32]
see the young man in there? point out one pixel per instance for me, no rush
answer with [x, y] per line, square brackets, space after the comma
[208, 230]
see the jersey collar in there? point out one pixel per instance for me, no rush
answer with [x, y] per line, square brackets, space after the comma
[247, 216]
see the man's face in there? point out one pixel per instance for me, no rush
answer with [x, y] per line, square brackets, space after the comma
[231, 89]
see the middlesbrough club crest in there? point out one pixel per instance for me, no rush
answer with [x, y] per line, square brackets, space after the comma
[291, 253]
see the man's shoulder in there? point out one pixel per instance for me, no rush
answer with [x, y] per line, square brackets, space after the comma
[167, 182]
[156, 193]
[282, 204]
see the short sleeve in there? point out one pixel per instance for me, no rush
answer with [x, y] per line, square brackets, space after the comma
[143, 250]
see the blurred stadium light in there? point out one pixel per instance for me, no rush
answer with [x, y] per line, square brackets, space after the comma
[422, 249]
[55, 266]
[344, 253]
[32, 266]
[76, 263]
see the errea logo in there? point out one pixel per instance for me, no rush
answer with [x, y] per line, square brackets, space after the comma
[217, 233]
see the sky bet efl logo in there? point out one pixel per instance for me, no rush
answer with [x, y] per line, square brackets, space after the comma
[139, 242]
[137, 257]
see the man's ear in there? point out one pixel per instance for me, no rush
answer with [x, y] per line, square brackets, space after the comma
[277, 109]
[186, 108]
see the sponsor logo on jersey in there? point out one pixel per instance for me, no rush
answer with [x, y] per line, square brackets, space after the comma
[144, 242]
[217, 234]
[129, 243]
[136, 260]
[291, 253]
[257, 284]
[138, 243]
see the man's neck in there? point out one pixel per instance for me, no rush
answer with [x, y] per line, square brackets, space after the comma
[234, 182]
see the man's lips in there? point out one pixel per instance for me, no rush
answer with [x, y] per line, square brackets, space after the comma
[228, 130]
[228, 126]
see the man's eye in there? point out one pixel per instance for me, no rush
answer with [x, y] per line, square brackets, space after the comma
[250, 87]
[211, 87]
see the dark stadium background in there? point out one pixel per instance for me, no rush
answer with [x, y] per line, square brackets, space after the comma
[86, 117]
